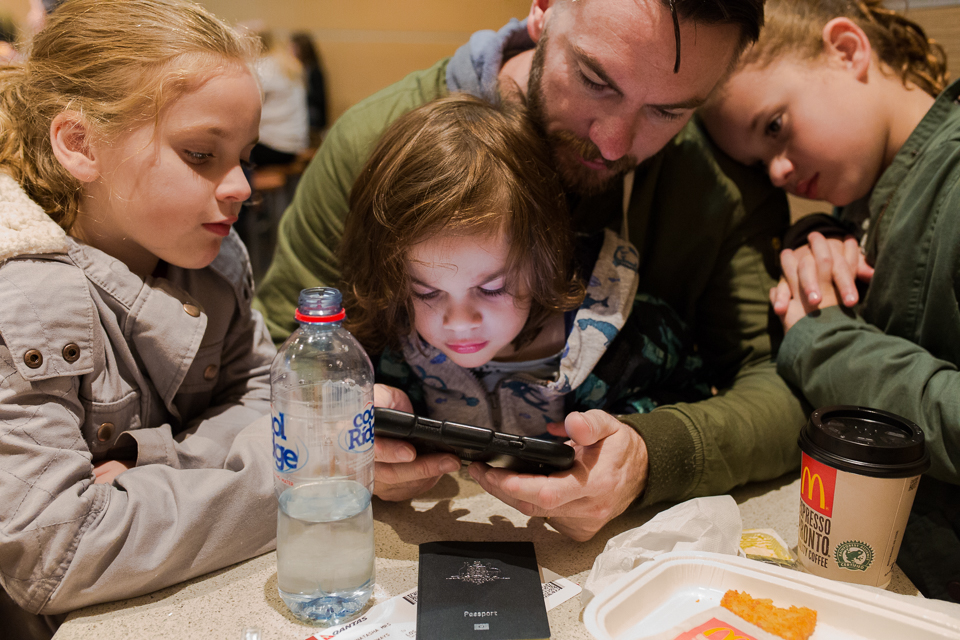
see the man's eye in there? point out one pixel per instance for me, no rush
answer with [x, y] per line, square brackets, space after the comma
[775, 126]
[670, 115]
[588, 83]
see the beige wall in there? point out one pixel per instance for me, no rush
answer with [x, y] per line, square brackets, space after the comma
[368, 44]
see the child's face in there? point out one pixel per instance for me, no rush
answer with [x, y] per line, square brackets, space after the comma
[807, 123]
[461, 304]
[172, 192]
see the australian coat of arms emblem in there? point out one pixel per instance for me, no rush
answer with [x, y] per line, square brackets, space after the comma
[478, 572]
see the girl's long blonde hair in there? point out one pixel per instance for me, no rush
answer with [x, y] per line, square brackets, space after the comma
[116, 63]
[795, 27]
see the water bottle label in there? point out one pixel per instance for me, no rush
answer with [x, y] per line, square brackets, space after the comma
[360, 438]
[287, 456]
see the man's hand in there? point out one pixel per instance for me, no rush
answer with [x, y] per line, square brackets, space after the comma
[399, 473]
[824, 260]
[106, 471]
[609, 472]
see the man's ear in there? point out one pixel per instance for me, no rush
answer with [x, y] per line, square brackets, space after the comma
[538, 18]
[69, 136]
[846, 44]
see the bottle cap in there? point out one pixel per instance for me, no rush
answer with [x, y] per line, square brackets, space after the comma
[320, 304]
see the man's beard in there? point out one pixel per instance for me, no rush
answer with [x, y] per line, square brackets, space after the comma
[567, 147]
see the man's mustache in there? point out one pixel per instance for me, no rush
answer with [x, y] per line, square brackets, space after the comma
[590, 152]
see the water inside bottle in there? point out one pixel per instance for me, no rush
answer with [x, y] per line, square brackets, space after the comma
[325, 553]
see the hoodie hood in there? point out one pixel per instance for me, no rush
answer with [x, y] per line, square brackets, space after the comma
[25, 228]
[475, 67]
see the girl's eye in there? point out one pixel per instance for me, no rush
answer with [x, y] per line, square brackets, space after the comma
[247, 165]
[493, 293]
[198, 157]
[424, 296]
[775, 126]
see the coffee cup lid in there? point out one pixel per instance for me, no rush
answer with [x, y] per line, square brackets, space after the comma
[865, 441]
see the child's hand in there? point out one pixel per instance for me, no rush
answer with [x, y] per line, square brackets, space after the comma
[810, 278]
[391, 398]
[399, 474]
[821, 265]
[105, 472]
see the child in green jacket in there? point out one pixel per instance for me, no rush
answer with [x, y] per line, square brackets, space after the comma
[839, 101]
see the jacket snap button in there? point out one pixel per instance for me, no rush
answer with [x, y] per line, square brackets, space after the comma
[210, 372]
[33, 358]
[105, 432]
[191, 309]
[71, 352]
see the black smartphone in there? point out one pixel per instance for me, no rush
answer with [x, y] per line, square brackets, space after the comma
[517, 453]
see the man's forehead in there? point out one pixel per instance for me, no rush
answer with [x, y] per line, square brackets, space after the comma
[628, 37]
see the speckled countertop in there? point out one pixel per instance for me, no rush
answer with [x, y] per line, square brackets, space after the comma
[223, 603]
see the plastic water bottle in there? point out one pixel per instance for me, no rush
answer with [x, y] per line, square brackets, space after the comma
[321, 388]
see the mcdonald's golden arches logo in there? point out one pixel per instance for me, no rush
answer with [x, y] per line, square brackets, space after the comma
[817, 484]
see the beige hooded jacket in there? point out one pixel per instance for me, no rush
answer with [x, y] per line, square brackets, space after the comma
[96, 364]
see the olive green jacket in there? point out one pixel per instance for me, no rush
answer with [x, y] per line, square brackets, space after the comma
[703, 249]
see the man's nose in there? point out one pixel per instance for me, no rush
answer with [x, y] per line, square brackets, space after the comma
[614, 135]
[781, 170]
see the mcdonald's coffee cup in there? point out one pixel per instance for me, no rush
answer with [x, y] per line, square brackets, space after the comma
[859, 474]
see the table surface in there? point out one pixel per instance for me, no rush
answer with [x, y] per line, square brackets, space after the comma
[223, 603]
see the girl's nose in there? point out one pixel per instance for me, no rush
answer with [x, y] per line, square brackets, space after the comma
[234, 186]
[781, 170]
[461, 316]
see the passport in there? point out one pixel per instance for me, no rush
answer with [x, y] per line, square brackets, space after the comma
[480, 591]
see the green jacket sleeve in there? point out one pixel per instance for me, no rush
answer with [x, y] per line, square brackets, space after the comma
[841, 359]
[311, 227]
[748, 430]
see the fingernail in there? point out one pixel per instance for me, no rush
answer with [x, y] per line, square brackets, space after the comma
[851, 299]
[449, 466]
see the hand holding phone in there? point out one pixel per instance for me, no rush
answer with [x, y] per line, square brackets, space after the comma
[471, 443]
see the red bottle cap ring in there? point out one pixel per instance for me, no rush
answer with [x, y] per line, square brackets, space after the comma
[334, 318]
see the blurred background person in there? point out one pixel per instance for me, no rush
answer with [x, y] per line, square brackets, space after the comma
[305, 50]
[284, 124]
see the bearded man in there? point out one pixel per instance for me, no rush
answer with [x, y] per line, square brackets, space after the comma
[613, 85]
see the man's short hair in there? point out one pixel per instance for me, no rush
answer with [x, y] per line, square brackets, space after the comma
[747, 14]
